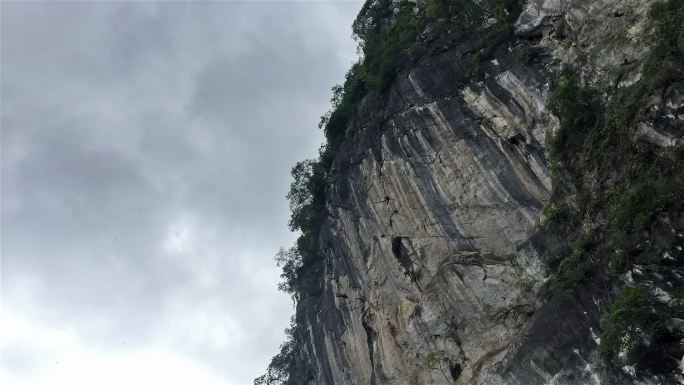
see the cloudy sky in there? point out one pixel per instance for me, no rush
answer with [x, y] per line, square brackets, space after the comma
[146, 149]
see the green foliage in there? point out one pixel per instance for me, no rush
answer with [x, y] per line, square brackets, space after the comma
[583, 243]
[417, 50]
[618, 262]
[504, 13]
[437, 360]
[575, 267]
[338, 121]
[611, 134]
[383, 49]
[431, 360]
[390, 40]
[593, 139]
[557, 212]
[285, 368]
[616, 178]
[666, 18]
[306, 194]
[635, 315]
[571, 271]
[635, 208]
[667, 34]
[577, 108]
[291, 263]
[620, 186]
[526, 53]
[279, 368]
[618, 332]
[472, 72]
[301, 263]
[562, 214]
[386, 44]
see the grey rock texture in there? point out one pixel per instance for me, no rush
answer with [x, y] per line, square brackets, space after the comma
[432, 270]
[663, 125]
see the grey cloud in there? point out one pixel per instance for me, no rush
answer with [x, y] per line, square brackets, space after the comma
[129, 126]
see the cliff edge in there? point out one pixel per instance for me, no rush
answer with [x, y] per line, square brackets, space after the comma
[500, 200]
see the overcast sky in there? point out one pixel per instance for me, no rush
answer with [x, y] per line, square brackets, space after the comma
[146, 149]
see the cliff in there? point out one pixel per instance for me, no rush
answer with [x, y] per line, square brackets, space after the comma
[507, 208]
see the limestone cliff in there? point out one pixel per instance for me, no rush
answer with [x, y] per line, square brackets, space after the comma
[440, 263]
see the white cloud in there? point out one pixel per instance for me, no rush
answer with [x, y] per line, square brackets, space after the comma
[43, 356]
[180, 237]
[145, 159]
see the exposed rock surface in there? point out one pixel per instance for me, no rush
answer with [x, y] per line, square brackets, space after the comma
[433, 273]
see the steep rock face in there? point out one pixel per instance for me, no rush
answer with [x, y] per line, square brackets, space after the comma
[428, 209]
[432, 271]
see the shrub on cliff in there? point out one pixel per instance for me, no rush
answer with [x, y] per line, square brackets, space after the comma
[636, 319]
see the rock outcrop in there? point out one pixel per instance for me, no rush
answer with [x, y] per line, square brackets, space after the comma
[433, 247]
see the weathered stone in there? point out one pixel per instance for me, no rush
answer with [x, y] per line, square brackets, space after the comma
[663, 123]
[529, 21]
[431, 255]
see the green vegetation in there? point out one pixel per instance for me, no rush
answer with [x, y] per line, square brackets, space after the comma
[338, 122]
[619, 187]
[573, 268]
[594, 140]
[636, 316]
[285, 368]
[571, 271]
[385, 45]
[556, 212]
[619, 262]
[388, 47]
[667, 54]
[526, 53]
[279, 369]
[657, 183]
[578, 108]
[438, 360]
[636, 207]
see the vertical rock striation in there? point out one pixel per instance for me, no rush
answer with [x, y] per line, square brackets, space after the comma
[433, 270]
